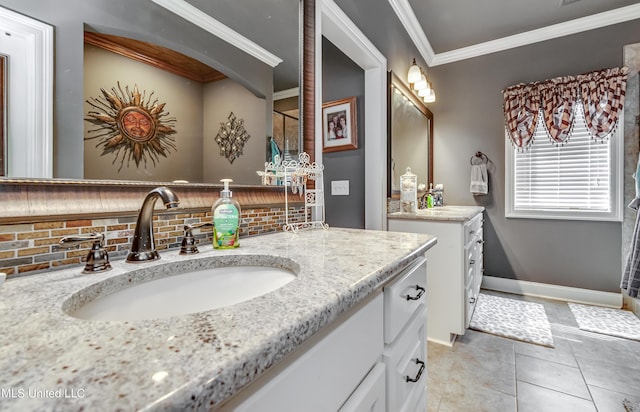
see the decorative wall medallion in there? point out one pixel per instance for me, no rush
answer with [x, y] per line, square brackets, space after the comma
[131, 126]
[231, 137]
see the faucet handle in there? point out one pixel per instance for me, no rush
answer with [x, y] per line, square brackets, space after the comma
[97, 259]
[188, 241]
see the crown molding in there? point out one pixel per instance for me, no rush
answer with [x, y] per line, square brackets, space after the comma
[213, 26]
[413, 27]
[410, 22]
[285, 94]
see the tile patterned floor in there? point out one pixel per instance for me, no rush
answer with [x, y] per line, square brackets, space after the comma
[584, 372]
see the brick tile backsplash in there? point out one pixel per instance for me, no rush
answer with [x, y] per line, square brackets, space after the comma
[33, 248]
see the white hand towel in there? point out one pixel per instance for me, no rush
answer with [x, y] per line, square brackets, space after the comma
[479, 180]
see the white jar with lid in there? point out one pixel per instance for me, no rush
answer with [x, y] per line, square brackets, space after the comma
[408, 192]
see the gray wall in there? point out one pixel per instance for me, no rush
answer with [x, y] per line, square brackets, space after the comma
[468, 118]
[342, 78]
[142, 20]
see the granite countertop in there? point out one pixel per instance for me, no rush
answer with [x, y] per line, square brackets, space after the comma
[52, 361]
[450, 213]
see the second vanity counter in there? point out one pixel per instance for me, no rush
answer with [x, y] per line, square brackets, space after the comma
[192, 361]
[443, 213]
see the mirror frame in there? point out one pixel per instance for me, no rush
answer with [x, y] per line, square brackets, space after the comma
[394, 81]
[40, 200]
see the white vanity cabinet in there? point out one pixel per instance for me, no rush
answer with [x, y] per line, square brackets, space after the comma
[405, 338]
[373, 358]
[455, 266]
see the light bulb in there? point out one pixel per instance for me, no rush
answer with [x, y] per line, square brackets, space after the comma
[424, 92]
[414, 72]
[431, 97]
[421, 84]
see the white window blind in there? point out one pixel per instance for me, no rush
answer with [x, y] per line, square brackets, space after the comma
[575, 181]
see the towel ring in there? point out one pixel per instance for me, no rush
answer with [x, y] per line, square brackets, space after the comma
[483, 157]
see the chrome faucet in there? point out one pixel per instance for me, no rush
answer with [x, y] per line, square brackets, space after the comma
[143, 246]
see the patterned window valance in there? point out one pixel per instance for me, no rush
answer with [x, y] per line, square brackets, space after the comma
[601, 93]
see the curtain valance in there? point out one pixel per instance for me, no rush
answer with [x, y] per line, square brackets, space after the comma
[600, 92]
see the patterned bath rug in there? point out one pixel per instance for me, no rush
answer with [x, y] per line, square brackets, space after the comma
[631, 406]
[513, 319]
[607, 321]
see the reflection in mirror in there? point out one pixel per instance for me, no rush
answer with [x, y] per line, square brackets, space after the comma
[274, 27]
[3, 147]
[410, 126]
[286, 129]
[183, 104]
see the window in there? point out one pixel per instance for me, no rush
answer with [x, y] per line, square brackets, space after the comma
[581, 180]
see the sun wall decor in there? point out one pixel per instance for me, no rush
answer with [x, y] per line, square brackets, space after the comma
[231, 137]
[131, 126]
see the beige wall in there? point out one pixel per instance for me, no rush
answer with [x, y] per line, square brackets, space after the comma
[198, 108]
[183, 100]
[220, 99]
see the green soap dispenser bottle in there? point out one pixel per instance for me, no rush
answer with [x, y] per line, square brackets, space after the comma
[226, 220]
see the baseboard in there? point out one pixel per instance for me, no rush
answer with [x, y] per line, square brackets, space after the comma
[632, 304]
[544, 290]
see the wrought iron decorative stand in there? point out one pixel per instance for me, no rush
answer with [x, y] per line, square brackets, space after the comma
[295, 174]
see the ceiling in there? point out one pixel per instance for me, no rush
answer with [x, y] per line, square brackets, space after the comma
[443, 31]
[454, 24]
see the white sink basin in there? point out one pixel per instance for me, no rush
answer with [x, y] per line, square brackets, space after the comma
[163, 291]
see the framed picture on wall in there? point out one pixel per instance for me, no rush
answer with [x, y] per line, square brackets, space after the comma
[339, 125]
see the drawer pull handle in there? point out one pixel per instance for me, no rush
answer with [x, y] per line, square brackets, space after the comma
[417, 378]
[471, 262]
[472, 300]
[419, 295]
[480, 242]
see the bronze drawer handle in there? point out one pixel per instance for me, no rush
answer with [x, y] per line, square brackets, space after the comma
[419, 295]
[417, 378]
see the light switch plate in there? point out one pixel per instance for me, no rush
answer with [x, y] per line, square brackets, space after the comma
[339, 188]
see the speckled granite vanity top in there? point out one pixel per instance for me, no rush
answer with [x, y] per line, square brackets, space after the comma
[452, 213]
[52, 361]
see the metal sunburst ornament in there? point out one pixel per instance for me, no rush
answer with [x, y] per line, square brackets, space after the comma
[131, 126]
[231, 137]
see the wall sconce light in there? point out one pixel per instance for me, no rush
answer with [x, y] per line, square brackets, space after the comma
[431, 96]
[415, 72]
[421, 84]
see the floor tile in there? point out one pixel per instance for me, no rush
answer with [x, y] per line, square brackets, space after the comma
[485, 361]
[610, 401]
[610, 375]
[439, 361]
[433, 400]
[477, 399]
[533, 398]
[551, 375]
[562, 353]
[483, 372]
[596, 346]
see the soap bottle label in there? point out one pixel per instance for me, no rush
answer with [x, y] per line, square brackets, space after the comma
[226, 222]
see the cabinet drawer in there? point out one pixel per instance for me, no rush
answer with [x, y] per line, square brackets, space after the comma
[473, 228]
[370, 395]
[406, 366]
[472, 297]
[403, 298]
[469, 263]
[316, 380]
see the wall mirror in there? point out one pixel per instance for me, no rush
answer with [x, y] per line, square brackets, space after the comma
[274, 26]
[410, 135]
